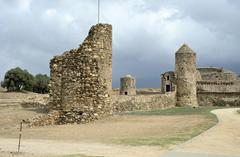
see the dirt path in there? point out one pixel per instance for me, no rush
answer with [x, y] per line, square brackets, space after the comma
[46, 147]
[223, 139]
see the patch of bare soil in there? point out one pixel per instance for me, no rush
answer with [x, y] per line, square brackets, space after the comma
[224, 138]
[94, 139]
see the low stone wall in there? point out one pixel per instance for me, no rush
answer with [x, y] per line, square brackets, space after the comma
[219, 99]
[218, 86]
[122, 103]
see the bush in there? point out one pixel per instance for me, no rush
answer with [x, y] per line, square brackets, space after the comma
[41, 84]
[3, 84]
[17, 79]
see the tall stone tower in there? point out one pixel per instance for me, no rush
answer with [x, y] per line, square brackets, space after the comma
[186, 77]
[81, 79]
[128, 85]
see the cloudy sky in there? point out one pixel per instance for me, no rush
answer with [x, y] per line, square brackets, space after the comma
[146, 33]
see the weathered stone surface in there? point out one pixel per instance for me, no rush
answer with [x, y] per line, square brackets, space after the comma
[168, 82]
[128, 85]
[81, 79]
[219, 99]
[122, 103]
[186, 77]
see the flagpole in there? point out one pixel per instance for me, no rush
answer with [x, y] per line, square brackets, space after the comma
[98, 11]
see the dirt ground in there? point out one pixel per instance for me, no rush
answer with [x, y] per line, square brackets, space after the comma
[95, 139]
[223, 139]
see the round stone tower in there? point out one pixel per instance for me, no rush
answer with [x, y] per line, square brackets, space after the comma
[186, 77]
[128, 85]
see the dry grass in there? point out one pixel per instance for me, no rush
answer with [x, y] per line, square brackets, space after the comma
[179, 136]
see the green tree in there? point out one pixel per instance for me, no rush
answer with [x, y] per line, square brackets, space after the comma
[41, 84]
[3, 84]
[17, 79]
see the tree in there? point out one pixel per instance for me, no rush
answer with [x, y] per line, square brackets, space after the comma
[17, 79]
[3, 84]
[41, 84]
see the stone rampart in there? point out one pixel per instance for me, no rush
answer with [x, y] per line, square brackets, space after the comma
[218, 86]
[122, 103]
[219, 99]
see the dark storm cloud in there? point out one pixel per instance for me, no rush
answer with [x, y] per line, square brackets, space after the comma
[146, 33]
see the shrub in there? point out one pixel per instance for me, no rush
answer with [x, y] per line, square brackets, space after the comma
[17, 79]
[41, 84]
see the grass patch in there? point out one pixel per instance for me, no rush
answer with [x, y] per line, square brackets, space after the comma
[180, 136]
[176, 111]
[238, 111]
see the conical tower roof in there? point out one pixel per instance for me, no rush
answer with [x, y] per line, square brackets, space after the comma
[185, 49]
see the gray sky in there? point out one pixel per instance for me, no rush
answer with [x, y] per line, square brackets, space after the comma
[146, 33]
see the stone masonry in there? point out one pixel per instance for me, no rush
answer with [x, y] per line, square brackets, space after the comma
[81, 79]
[128, 85]
[81, 84]
[168, 82]
[186, 77]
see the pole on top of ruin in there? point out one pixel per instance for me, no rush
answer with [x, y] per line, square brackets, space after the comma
[98, 11]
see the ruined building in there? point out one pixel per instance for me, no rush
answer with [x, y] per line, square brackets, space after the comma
[81, 83]
[128, 85]
[168, 82]
[214, 86]
[81, 79]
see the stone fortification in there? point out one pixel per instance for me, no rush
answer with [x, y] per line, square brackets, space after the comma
[128, 85]
[81, 79]
[217, 74]
[186, 77]
[122, 103]
[168, 82]
[219, 99]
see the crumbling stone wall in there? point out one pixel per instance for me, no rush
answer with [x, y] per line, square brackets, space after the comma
[218, 86]
[186, 77]
[168, 82]
[217, 74]
[219, 99]
[122, 103]
[81, 79]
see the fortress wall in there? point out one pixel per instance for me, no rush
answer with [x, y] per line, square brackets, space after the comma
[122, 103]
[218, 86]
[81, 79]
[219, 76]
[219, 99]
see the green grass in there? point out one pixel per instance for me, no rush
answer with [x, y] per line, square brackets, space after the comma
[176, 111]
[180, 136]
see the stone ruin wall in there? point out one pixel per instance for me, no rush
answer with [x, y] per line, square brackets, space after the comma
[122, 103]
[223, 93]
[217, 74]
[168, 79]
[219, 99]
[81, 79]
[218, 86]
[81, 83]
